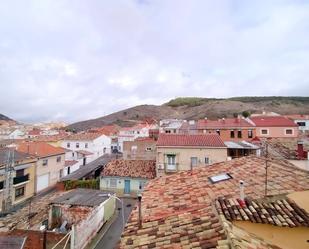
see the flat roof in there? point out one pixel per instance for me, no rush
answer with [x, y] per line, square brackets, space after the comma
[240, 145]
[82, 197]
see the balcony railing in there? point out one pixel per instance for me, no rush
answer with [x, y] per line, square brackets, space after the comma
[171, 167]
[20, 179]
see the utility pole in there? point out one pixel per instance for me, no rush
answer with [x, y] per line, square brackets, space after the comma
[266, 167]
[9, 168]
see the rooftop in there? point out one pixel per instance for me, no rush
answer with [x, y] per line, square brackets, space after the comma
[87, 136]
[204, 140]
[40, 149]
[18, 156]
[10, 242]
[179, 210]
[131, 168]
[298, 116]
[273, 121]
[204, 124]
[82, 197]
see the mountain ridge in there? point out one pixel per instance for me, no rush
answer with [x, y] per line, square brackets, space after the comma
[197, 108]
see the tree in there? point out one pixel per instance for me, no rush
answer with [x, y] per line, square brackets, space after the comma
[246, 114]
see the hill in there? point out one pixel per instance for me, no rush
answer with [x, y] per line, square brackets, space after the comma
[5, 118]
[196, 108]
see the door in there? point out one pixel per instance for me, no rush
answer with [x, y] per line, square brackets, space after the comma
[127, 187]
[193, 161]
[42, 182]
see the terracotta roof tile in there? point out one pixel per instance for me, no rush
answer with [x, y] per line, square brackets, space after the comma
[207, 140]
[229, 123]
[179, 210]
[70, 162]
[273, 121]
[131, 168]
[40, 149]
[84, 136]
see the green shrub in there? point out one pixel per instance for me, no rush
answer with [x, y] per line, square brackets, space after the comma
[72, 184]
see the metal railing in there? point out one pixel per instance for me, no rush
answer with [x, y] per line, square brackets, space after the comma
[20, 179]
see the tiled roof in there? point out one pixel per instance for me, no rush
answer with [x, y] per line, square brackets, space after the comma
[207, 140]
[51, 138]
[298, 116]
[84, 152]
[131, 168]
[229, 123]
[107, 130]
[68, 163]
[40, 149]
[178, 211]
[18, 156]
[84, 136]
[272, 121]
[280, 212]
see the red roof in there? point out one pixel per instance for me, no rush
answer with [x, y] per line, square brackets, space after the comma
[298, 116]
[273, 121]
[40, 149]
[34, 132]
[70, 162]
[84, 136]
[204, 124]
[207, 140]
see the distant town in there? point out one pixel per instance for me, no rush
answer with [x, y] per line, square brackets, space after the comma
[239, 182]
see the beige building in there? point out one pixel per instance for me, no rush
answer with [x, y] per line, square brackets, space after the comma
[176, 152]
[142, 148]
[50, 164]
[21, 186]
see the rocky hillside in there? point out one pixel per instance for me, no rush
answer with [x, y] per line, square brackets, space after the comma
[196, 108]
[3, 117]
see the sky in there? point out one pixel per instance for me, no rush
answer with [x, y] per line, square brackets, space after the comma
[76, 60]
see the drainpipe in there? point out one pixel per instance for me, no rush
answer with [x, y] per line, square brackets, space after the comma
[139, 197]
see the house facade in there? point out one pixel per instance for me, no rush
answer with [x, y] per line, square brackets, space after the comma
[229, 129]
[275, 127]
[91, 144]
[140, 148]
[178, 152]
[22, 186]
[127, 177]
[50, 163]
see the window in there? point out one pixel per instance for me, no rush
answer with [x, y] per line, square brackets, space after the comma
[148, 149]
[193, 161]
[219, 178]
[168, 131]
[77, 145]
[250, 134]
[239, 134]
[104, 150]
[72, 154]
[264, 131]
[232, 134]
[68, 145]
[206, 160]
[86, 145]
[218, 132]
[58, 159]
[45, 162]
[19, 192]
[171, 162]
[20, 172]
[288, 132]
[301, 123]
[142, 185]
[113, 183]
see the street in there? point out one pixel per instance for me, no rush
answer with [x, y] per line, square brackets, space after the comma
[112, 236]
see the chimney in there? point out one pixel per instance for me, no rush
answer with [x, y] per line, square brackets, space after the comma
[139, 197]
[223, 120]
[300, 149]
[242, 193]
[205, 118]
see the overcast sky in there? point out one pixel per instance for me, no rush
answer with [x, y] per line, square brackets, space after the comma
[74, 60]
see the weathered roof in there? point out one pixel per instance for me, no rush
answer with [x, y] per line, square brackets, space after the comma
[280, 212]
[131, 168]
[179, 212]
[18, 156]
[10, 242]
[227, 123]
[40, 149]
[240, 145]
[68, 163]
[298, 116]
[273, 121]
[89, 167]
[84, 152]
[82, 197]
[205, 140]
[87, 136]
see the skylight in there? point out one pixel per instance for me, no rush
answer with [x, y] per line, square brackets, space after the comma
[219, 178]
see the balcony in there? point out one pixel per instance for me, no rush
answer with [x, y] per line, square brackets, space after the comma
[20, 179]
[171, 167]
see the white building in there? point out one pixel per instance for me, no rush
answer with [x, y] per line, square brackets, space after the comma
[87, 146]
[170, 125]
[301, 120]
